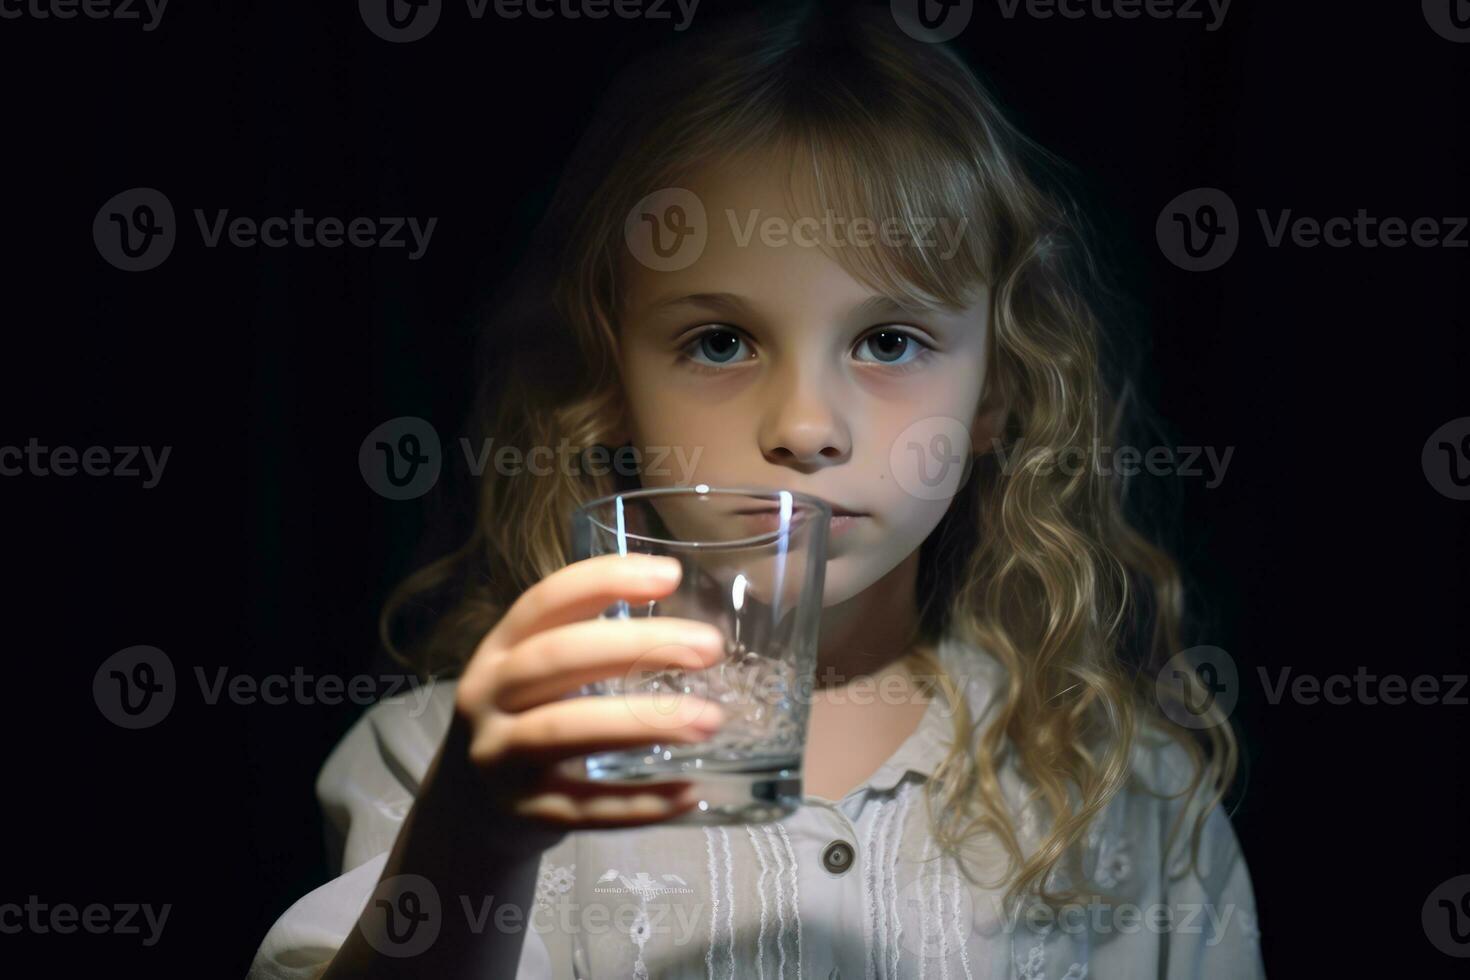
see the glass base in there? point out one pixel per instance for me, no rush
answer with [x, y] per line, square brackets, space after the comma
[728, 793]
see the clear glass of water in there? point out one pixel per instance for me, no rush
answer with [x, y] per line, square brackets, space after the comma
[754, 562]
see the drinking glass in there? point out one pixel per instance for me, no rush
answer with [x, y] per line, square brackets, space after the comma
[754, 562]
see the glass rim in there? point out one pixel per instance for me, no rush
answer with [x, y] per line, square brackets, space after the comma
[808, 501]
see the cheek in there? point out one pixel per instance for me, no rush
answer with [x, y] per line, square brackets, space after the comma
[916, 455]
[914, 519]
[909, 509]
[952, 391]
[671, 411]
[651, 403]
[690, 427]
[907, 522]
[684, 443]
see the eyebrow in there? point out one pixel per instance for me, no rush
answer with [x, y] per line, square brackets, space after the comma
[873, 306]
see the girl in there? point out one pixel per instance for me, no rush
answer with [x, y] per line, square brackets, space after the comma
[807, 252]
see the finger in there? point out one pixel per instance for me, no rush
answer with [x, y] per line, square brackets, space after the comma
[560, 730]
[585, 589]
[558, 662]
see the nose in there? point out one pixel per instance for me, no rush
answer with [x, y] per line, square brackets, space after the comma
[801, 427]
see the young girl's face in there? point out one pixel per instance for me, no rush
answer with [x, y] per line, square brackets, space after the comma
[771, 366]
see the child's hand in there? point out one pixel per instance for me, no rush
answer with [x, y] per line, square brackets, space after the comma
[513, 720]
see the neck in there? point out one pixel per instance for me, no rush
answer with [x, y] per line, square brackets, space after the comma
[870, 633]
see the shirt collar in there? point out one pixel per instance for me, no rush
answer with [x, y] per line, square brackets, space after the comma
[977, 673]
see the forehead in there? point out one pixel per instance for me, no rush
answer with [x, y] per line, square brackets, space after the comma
[753, 243]
[801, 238]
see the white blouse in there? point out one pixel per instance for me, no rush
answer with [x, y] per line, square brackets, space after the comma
[835, 891]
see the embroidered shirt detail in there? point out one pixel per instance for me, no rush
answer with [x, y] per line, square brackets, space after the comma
[880, 883]
[721, 876]
[554, 880]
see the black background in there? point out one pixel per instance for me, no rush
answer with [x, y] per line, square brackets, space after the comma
[262, 550]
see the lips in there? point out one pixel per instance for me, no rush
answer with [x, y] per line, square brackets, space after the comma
[766, 519]
[836, 511]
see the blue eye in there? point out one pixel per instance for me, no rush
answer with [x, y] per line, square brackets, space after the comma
[719, 345]
[892, 347]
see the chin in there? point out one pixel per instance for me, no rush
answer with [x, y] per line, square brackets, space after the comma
[849, 575]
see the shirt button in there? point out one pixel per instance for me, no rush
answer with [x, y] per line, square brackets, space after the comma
[837, 857]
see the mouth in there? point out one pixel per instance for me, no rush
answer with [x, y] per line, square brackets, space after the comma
[836, 511]
[766, 519]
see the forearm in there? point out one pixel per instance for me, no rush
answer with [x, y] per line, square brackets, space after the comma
[444, 841]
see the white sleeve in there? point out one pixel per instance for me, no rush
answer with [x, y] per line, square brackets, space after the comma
[1223, 940]
[1215, 931]
[365, 788]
